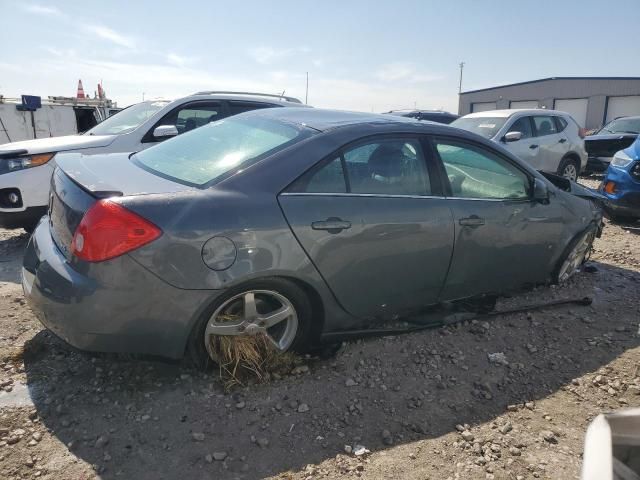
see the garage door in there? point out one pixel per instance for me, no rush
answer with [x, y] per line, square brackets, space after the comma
[524, 104]
[622, 107]
[483, 106]
[576, 107]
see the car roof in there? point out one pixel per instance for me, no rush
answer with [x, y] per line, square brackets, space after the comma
[405, 111]
[241, 96]
[514, 111]
[325, 120]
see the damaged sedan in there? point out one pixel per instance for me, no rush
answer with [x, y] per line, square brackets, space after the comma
[292, 224]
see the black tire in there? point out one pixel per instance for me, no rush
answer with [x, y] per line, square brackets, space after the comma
[555, 277]
[566, 163]
[197, 353]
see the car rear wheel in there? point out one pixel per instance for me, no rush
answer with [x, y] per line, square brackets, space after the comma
[276, 308]
[569, 168]
[575, 256]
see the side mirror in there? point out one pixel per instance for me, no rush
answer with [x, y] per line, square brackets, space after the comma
[540, 190]
[165, 131]
[512, 137]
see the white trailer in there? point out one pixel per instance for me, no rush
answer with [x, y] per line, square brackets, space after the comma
[56, 117]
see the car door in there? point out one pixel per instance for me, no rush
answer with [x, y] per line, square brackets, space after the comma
[186, 117]
[374, 223]
[503, 238]
[552, 143]
[527, 148]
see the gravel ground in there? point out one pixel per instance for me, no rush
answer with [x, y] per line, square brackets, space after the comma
[429, 405]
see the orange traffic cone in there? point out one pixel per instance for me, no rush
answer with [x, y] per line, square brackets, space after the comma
[80, 90]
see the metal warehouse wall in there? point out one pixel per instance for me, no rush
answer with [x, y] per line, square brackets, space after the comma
[546, 91]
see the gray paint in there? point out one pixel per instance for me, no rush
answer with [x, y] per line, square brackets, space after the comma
[545, 91]
[399, 256]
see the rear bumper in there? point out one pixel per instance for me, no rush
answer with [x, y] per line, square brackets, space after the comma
[21, 218]
[114, 306]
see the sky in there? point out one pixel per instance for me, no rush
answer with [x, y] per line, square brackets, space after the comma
[360, 55]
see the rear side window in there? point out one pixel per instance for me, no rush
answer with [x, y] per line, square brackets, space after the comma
[475, 172]
[544, 125]
[240, 107]
[210, 152]
[385, 167]
[561, 123]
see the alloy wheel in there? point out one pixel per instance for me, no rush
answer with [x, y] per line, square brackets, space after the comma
[255, 312]
[575, 259]
[570, 172]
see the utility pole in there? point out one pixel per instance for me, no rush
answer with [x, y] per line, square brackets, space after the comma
[460, 85]
[143, 96]
[306, 94]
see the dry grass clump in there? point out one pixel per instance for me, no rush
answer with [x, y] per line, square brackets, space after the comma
[244, 358]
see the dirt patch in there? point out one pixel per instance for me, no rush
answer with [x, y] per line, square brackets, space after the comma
[435, 404]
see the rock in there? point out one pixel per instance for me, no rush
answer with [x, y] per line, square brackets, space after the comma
[263, 442]
[303, 408]
[208, 458]
[467, 436]
[350, 382]
[219, 456]
[299, 370]
[549, 437]
[360, 450]
[515, 451]
[102, 441]
[529, 405]
[460, 428]
[497, 358]
[198, 436]
[348, 449]
[240, 405]
[506, 428]
[387, 439]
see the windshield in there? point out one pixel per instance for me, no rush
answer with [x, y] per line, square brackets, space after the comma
[127, 120]
[207, 153]
[485, 126]
[622, 125]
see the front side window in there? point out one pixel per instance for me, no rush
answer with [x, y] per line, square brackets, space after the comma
[385, 167]
[127, 120]
[544, 125]
[209, 153]
[485, 126]
[522, 125]
[475, 172]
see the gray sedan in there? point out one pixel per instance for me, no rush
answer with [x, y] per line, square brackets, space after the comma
[292, 223]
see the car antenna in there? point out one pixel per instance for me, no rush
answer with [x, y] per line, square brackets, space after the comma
[282, 94]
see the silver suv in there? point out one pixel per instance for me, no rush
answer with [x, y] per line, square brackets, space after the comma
[548, 140]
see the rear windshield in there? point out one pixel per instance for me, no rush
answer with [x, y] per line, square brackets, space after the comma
[485, 126]
[208, 153]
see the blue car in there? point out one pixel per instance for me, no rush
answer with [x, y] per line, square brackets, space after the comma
[621, 184]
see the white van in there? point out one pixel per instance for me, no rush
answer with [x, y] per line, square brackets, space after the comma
[26, 167]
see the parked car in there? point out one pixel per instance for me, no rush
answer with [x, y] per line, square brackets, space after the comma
[621, 184]
[613, 137]
[292, 223]
[26, 167]
[437, 116]
[547, 140]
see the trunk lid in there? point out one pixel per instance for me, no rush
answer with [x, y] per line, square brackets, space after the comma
[80, 180]
[607, 145]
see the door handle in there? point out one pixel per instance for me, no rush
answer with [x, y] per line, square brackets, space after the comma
[472, 221]
[562, 140]
[533, 146]
[331, 225]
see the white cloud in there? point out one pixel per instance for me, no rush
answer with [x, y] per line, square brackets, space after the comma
[404, 72]
[110, 35]
[266, 54]
[180, 60]
[42, 10]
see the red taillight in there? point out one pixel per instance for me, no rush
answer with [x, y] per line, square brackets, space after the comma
[109, 230]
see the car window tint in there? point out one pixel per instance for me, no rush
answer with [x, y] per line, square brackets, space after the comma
[544, 125]
[391, 167]
[475, 172]
[522, 125]
[561, 123]
[240, 107]
[328, 178]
